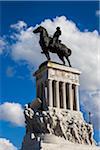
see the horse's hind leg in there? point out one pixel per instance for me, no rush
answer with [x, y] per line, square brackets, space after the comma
[68, 61]
[62, 58]
[47, 55]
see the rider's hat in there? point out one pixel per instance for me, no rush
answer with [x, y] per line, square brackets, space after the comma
[58, 28]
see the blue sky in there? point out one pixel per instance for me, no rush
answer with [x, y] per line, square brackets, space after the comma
[17, 84]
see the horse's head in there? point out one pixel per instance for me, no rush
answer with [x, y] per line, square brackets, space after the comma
[38, 30]
[44, 38]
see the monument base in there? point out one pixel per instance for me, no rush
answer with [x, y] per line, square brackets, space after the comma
[52, 142]
[58, 129]
[67, 146]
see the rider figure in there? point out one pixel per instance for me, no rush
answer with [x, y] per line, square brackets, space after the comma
[55, 40]
[56, 36]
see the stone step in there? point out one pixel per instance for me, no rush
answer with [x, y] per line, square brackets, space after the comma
[51, 142]
[67, 146]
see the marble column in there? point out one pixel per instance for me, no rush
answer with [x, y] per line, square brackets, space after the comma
[43, 95]
[38, 89]
[64, 95]
[57, 94]
[77, 98]
[43, 91]
[50, 96]
[70, 97]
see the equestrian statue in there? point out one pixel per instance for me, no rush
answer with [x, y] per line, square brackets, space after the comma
[53, 45]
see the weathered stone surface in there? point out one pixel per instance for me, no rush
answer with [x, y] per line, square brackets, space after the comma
[55, 71]
[35, 104]
[58, 86]
[67, 146]
[65, 124]
[51, 142]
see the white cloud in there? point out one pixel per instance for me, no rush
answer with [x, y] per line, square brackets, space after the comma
[90, 100]
[19, 26]
[26, 48]
[97, 12]
[98, 143]
[12, 112]
[6, 145]
[85, 49]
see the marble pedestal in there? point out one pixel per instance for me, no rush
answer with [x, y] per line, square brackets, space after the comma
[57, 85]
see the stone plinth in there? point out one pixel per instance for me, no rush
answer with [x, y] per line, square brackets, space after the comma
[57, 85]
[54, 127]
[67, 146]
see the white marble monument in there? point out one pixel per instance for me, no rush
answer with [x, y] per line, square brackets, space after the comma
[53, 120]
[58, 85]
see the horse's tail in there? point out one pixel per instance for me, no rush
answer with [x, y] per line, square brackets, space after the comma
[69, 52]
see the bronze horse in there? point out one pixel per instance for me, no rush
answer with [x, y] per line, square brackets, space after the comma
[45, 42]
